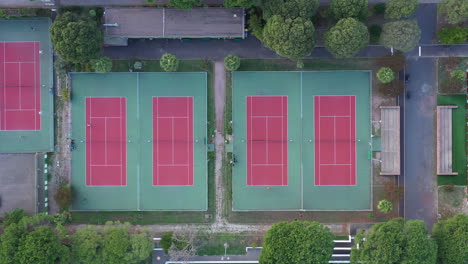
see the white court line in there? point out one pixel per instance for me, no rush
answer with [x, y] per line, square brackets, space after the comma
[7, 110]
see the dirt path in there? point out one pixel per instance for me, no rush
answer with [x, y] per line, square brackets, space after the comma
[220, 96]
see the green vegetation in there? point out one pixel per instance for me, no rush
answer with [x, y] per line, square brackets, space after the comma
[385, 206]
[169, 62]
[63, 196]
[293, 9]
[397, 9]
[458, 139]
[385, 75]
[184, 4]
[395, 241]
[379, 8]
[349, 8]
[232, 63]
[374, 32]
[297, 242]
[451, 235]
[458, 75]
[213, 244]
[455, 11]
[102, 64]
[240, 3]
[290, 38]
[13, 217]
[346, 38]
[453, 35]
[256, 24]
[402, 35]
[24, 12]
[447, 84]
[76, 39]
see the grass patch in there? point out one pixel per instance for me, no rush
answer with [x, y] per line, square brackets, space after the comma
[173, 217]
[458, 138]
[319, 64]
[213, 244]
[228, 106]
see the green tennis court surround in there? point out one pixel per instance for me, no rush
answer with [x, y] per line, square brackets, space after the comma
[138, 191]
[302, 191]
[26, 103]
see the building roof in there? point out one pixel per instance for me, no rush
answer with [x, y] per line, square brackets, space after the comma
[174, 23]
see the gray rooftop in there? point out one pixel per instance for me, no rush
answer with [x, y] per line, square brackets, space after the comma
[174, 23]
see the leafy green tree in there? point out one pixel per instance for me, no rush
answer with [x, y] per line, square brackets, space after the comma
[232, 63]
[13, 217]
[346, 38]
[395, 242]
[379, 8]
[289, 8]
[169, 62]
[141, 248]
[385, 75]
[103, 64]
[349, 8]
[9, 242]
[458, 75]
[240, 3]
[374, 33]
[256, 24]
[418, 248]
[451, 236]
[86, 246]
[166, 241]
[290, 38]
[385, 206]
[297, 242]
[402, 35]
[184, 4]
[453, 35]
[76, 39]
[397, 9]
[455, 11]
[41, 246]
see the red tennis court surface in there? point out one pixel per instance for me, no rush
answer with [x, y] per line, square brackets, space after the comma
[172, 141]
[20, 93]
[106, 141]
[335, 134]
[267, 145]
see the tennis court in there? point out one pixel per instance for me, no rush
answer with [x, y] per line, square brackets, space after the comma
[140, 141]
[302, 141]
[26, 109]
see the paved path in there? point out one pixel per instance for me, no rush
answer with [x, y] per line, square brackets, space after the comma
[419, 158]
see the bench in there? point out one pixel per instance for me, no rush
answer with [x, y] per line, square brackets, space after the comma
[444, 140]
[390, 132]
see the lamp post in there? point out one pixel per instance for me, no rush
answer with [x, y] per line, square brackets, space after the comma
[226, 245]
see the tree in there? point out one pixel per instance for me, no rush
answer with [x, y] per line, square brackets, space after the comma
[232, 62]
[385, 75]
[402, 35]
[458, 75]
[240, 3]
[349, 8]
[63, 196]
[290, 8]
[169, 62]
[13, 217]
[395, 242]
[9, 242]
[76, 39]
[453, 35]
[256, 24]
[297, 242]
[397, 9]
[451, 236]
[385, 206]
[346, 38]
[184, 4]
[86, 245]
[290, 38]
[103, 64]
[455, 11]
[41, 246]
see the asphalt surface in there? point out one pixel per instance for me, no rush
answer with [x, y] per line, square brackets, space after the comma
[419, 137]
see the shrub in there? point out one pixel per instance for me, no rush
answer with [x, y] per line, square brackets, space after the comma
[385, 206]
[293, 9]
[138, 65]
[374, 32]
[458, 75]
[455, 11]
[63, 196]
[184, 4]
[92, 13]
[349, 8]
[169, 62]
[402, 35]
[166, 241]
[449, 188]
[240, 3]
[103, 65]
[232, 62]
[254, 245]
[400, 8]
[300, 64]
[379, 8]
[65, 93]
[256, 24]
[13, 217]
[371, 216]
[385, 75]
[453, 35]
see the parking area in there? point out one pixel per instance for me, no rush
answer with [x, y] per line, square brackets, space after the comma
[17, 182]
